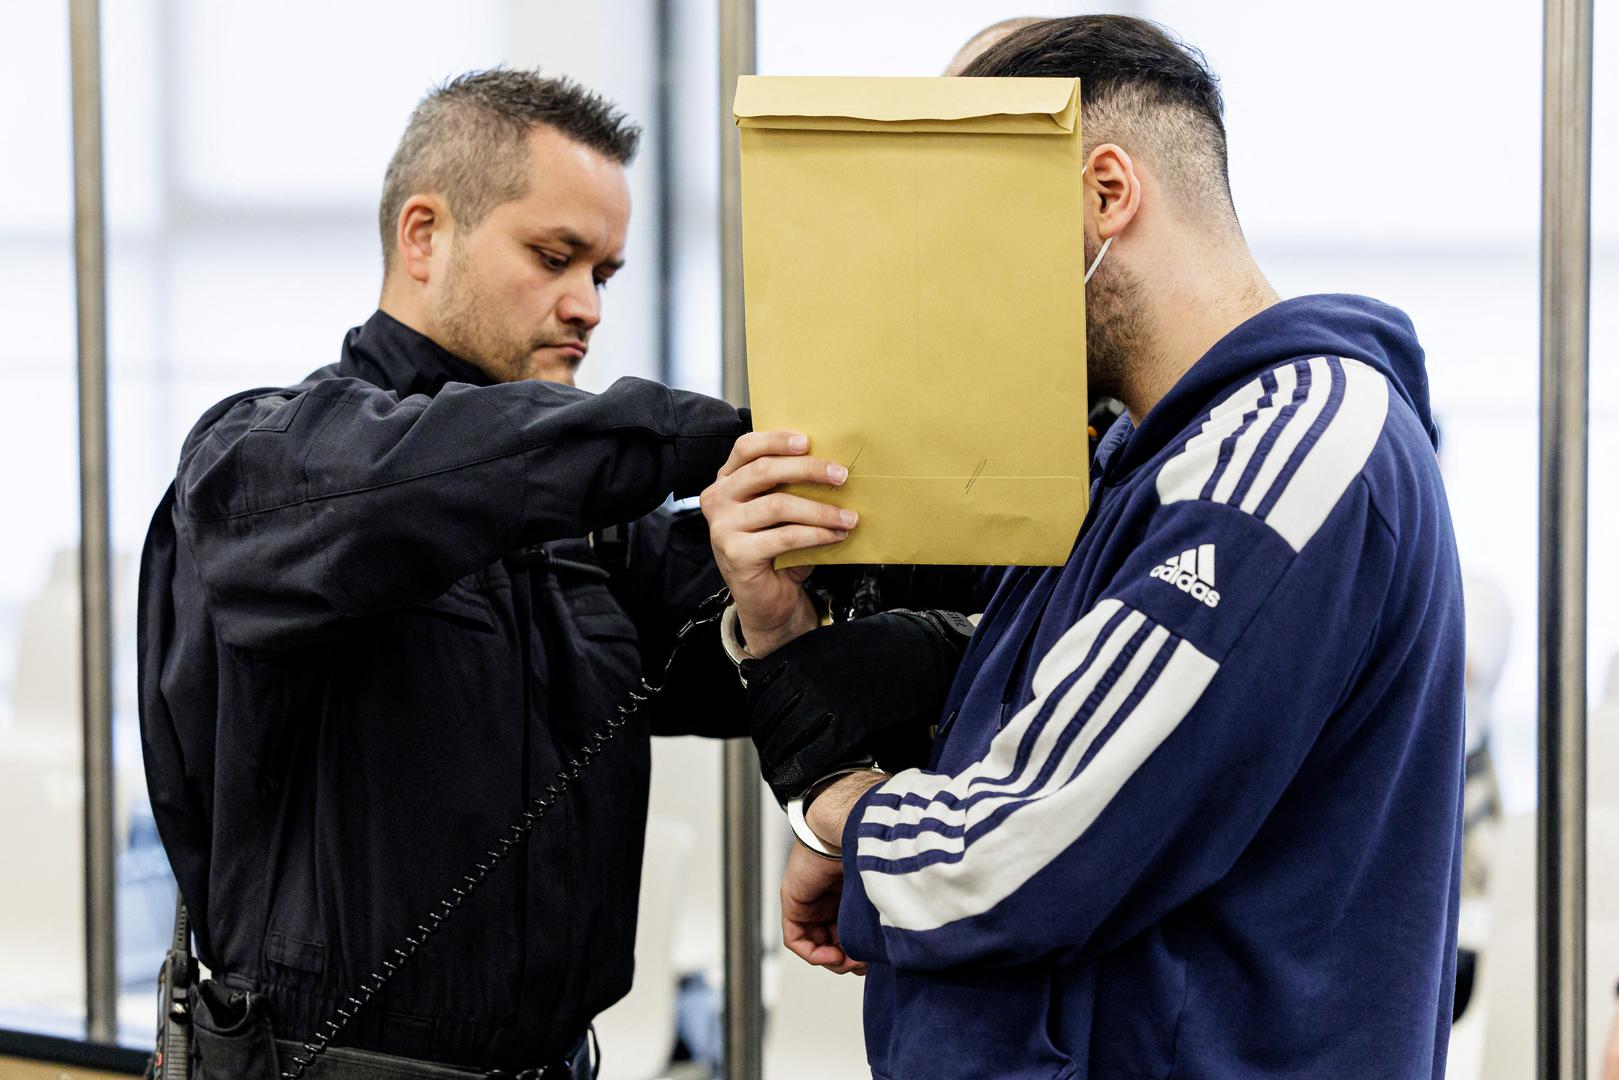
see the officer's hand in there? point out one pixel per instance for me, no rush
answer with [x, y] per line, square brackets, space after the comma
[811, 890]
[867, 688]
[751, 521]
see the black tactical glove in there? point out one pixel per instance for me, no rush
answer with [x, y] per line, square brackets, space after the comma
[868, 689]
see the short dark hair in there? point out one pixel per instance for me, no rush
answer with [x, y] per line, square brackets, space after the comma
[468, 141]
[1140, 87]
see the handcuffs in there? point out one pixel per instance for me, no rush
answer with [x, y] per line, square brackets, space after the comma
[737, 649]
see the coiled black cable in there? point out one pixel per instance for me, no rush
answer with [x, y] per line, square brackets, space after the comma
[502, 846]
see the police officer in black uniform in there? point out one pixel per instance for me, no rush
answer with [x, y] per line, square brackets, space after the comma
[373, 628]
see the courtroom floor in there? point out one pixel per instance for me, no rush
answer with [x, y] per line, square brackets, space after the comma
[17, 1069]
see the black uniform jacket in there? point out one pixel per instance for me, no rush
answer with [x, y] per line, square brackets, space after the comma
[369, 635]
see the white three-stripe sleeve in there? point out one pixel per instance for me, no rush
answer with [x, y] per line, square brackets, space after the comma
[1125, 789]
[963, 847]
[1284, 447]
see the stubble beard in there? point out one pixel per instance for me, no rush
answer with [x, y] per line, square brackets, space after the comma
[465, 330]
[1116, 335]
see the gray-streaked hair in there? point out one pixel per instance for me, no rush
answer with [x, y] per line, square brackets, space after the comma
[468, 142]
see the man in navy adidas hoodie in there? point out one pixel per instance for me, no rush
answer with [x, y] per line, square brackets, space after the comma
[1193, 810]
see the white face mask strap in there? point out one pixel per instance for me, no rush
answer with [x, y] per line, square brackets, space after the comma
[1105, 243]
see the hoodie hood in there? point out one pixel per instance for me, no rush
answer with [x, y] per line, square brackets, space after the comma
[1354, 327]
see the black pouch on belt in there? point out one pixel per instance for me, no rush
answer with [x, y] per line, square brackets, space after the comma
[232, 1033]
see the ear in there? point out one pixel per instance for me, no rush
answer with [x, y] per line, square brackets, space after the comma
[423, 222]
[1112, 190]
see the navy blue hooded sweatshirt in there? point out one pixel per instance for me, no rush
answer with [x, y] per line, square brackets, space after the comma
[1195, 807]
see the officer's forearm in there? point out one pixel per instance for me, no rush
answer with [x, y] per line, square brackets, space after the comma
[363, 503]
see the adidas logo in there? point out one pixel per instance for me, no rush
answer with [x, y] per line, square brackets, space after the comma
[1192, 571]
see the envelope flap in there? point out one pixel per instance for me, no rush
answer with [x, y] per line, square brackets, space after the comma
[839, 103]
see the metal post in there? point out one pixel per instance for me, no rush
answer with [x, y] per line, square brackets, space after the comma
[744, 953]
[663, 19]
[95, 543]
[737, 58]
[1565, 284]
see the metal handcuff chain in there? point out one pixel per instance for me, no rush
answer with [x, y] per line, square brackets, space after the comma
[508, 841]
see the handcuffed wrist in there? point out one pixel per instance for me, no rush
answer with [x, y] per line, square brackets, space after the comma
[731, 640]
[797, 807]
[736, 644]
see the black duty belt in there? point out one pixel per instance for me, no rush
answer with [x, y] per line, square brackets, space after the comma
[346, 1063]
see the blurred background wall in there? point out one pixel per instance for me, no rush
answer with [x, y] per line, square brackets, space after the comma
[1380, 147]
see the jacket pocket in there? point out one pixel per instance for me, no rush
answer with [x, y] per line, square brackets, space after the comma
[294, 952]
[606, 627]
[462, 605]
[596, 612]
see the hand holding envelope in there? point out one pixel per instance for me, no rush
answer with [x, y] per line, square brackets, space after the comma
[914, 258]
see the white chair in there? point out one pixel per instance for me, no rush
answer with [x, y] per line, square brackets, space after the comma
[42, 790]
[1506, 987]
[1509, 1049]
[1512, 871]
[1602, 755]
[1602, 745]
[687, 787]
[637, 1035]
[815, 1029]
[42, 801]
